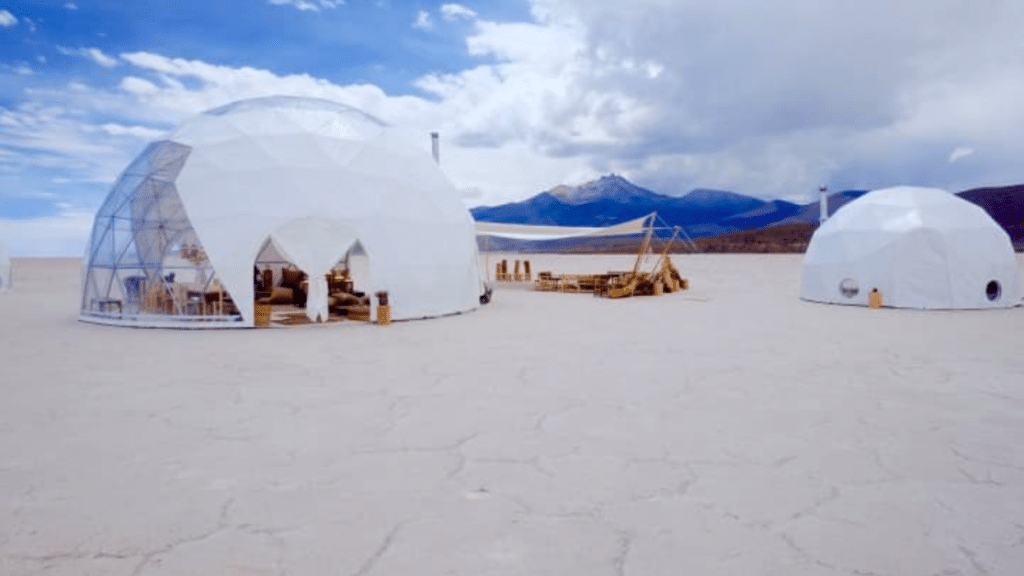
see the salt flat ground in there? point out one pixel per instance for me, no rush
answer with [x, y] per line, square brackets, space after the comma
[729, 430]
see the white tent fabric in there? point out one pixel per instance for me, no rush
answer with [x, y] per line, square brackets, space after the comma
[531, 232]
[920, 247]
[5, 269]
[314, 177]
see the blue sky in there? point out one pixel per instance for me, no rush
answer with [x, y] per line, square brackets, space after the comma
[768, 99]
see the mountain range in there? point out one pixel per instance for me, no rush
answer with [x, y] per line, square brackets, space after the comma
[706, 212]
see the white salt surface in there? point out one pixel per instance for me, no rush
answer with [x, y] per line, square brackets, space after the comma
[729, 430]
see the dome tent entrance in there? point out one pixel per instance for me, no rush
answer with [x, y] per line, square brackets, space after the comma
[193, 212]
[919, 247]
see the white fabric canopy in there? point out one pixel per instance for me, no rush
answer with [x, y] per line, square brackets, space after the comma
[530, 232]
[5, 269]
[314, 177]
[920, 247]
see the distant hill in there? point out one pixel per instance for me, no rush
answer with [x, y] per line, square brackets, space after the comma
[735, 221]
[811, 213]
[767, 214]
[613, 200]
[1005, 204]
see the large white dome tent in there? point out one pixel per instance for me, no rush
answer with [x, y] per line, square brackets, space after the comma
[307, 179]
[919, 247]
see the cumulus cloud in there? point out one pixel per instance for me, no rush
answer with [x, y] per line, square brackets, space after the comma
[70, 6]
[7, 19]
[767, 99]
[94, 54]
[423, 20]
[173, 88]
[771, 100]
[819, 88]
[456, 11]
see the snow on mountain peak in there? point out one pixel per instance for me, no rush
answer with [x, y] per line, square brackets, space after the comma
[612, 187]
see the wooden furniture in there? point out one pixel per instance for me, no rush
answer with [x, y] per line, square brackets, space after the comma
[261, 315]
[107, 305]
[158, 299]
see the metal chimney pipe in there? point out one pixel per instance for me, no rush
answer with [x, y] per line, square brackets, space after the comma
[435, 146]
[824, 204]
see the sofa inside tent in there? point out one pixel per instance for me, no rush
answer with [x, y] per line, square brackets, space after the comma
[914, 248]
[182, 239]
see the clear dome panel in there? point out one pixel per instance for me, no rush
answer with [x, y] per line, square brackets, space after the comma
[145, 264]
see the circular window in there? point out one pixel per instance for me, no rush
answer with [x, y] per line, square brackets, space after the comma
[993, 291]
[848, 287]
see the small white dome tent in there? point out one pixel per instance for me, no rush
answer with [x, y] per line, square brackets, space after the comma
[919, 247]
[5, 269]
[305, 178]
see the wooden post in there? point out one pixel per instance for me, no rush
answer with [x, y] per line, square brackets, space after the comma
[261, 313]
[383, 308]
[875, 298]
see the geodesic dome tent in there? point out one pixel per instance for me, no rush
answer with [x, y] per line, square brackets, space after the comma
[306, 179]
[5, 269]
[919, 247]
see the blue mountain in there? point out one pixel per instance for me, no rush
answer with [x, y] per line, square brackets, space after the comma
[1005, 204]
[613, 200]
[707, 212]
[704, 212]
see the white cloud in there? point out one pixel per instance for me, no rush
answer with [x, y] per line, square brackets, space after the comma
[7, 19]
[179, 87]
[767, 100]
[141, 132]
[64, 234]
[308, 5]
[423, 20]
[454, 11]
[302, 5]
[959, 153]
[94, 54]
[138, 86]
[770, 100]
[70, 6]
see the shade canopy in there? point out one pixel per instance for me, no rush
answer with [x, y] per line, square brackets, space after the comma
[310, 177]
[919, 247]
[5, 269]
[534, 232]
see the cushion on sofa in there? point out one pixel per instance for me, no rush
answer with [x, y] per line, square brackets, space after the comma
[291, 278]
[281, 295]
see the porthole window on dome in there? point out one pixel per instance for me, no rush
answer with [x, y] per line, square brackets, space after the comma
[993, 291]
[848, 287]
